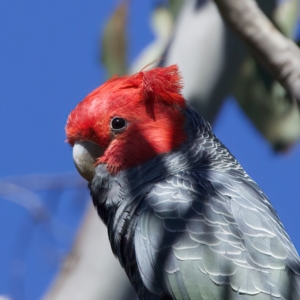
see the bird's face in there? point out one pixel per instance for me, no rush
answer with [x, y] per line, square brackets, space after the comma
[119, 125]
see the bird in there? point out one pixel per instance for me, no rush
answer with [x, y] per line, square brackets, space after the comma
[183, 217]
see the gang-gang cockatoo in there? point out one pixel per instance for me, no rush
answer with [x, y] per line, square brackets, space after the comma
[183, 217]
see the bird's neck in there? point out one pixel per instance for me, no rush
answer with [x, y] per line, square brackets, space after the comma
[117, 206]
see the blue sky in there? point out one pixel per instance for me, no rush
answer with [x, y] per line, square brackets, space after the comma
[49, 62]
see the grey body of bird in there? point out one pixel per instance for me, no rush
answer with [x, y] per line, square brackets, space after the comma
[191, 224]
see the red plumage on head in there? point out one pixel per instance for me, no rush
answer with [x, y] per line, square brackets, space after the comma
[150, 101]
[161, 85]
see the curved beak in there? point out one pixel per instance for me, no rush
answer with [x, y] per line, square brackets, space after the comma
[85, 155]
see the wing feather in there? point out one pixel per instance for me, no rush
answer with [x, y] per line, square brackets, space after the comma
[206, 235]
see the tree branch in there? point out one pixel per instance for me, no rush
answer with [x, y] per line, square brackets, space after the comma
[91, 271]
[278, 54]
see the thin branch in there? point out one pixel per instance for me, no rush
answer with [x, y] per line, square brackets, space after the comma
[91, 271]
[278, 54]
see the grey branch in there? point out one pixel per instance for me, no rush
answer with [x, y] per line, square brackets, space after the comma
[91, 271]
[278, 54]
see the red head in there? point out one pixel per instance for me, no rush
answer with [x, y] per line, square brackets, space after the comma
[131, 118]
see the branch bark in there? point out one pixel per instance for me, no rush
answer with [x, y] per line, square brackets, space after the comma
[279, 55]
[91, 271]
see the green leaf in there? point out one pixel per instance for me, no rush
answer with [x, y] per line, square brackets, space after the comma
[114, 42]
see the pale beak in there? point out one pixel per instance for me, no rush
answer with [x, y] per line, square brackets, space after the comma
[85, 155]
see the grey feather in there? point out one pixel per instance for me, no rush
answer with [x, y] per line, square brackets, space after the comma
[192, 224]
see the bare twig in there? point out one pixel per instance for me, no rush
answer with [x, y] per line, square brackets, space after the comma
[278, 54]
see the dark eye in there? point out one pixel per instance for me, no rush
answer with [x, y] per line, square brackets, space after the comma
[118, 123]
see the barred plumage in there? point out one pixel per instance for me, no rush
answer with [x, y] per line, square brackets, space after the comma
[183, 217]
[191, 224]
